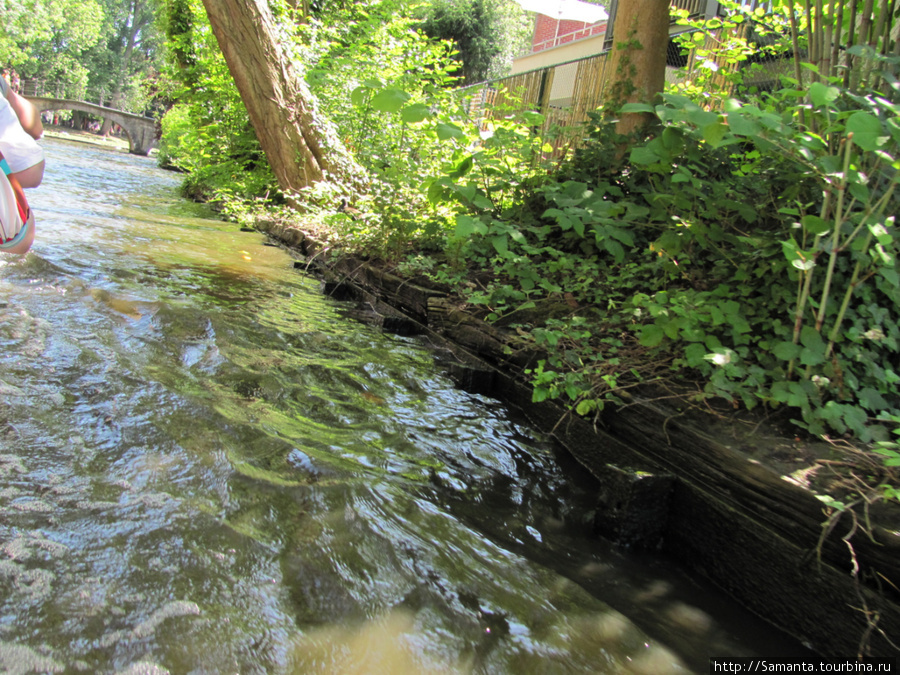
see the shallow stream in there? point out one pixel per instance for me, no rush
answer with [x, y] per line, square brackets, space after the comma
[207, 466]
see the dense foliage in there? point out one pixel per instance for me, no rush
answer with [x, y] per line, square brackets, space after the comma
[207, 132]
[748, 244]
[50, 38]
[99, 50]
[745, 241]
[487, 34]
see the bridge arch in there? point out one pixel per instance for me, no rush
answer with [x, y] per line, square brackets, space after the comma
[141, 131]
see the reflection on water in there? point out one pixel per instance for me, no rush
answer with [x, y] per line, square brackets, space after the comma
[205, 467]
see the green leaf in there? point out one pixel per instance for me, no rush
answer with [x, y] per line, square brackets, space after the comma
[694, 354]
[659, 148]
[466, 192]
[643, 156]
[446, 130]
[890, 274]
[786, 351]
[463, 167]
[791, 393]
[578, 226]
[482, 201]
[651, 335]
[791, 250]
[389, 100]
[831, 502]
[360, 96]
[859, 191]
[466, 226]
[415, 112]
[867, 130]
[673, 327]
[714, 133]
[623, 235]
[700, 117]
[821, 94]
[815, 224]
[439, 190]
[540, 395]
[872, 399]
[856, 419]
[532, 118]
[811, 338]
[614, 248]
[740, 325]
[810, 356]
[860, 50]
[637, 108]
[584, 407]
[742, 125]
[693, 334]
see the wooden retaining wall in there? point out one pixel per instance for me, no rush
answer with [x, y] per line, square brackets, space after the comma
[730, 519]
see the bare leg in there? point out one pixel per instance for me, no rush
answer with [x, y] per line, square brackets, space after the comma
[32, 176]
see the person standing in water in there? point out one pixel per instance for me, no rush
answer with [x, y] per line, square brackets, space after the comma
[22, 161]
[20, 127]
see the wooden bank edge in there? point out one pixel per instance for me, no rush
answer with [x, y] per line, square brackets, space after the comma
[734, 521]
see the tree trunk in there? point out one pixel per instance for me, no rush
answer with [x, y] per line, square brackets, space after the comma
[138, 17]
[301, 148]
[638, 66]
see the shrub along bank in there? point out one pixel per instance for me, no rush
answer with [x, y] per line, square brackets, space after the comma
[738, 255]
[744, 243]
[730, 248]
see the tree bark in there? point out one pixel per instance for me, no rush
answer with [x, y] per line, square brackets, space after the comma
[301, 147]
[638, 65]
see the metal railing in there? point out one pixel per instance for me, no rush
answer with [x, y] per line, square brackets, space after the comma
[63, 90]
[567, 92]
[695, 8]
[590, 30]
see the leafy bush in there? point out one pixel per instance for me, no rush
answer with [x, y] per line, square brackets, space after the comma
[749, 244]
[486, 34]
[755, 253]
[777, 246]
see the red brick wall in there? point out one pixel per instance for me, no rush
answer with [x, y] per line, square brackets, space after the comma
[547, 28]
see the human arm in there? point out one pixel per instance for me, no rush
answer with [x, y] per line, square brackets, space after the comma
[29, 117]
[28, 114]
[20, 127]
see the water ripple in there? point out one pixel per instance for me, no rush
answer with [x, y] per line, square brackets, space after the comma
[205, 467]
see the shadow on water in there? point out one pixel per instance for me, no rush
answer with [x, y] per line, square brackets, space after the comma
[205, 467]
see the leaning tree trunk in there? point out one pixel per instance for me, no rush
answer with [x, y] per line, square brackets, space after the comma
[302, 148]
[638, 66]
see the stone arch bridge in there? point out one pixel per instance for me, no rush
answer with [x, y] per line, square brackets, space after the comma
[141, 131]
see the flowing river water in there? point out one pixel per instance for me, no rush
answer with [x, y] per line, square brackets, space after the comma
[206, 466]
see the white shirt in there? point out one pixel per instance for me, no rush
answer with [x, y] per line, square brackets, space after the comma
[19, 149]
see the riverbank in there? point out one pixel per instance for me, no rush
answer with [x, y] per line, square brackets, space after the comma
[731, 495]
[89, 137]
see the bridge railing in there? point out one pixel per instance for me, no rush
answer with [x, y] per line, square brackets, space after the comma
[37, 88]
[65, 90]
